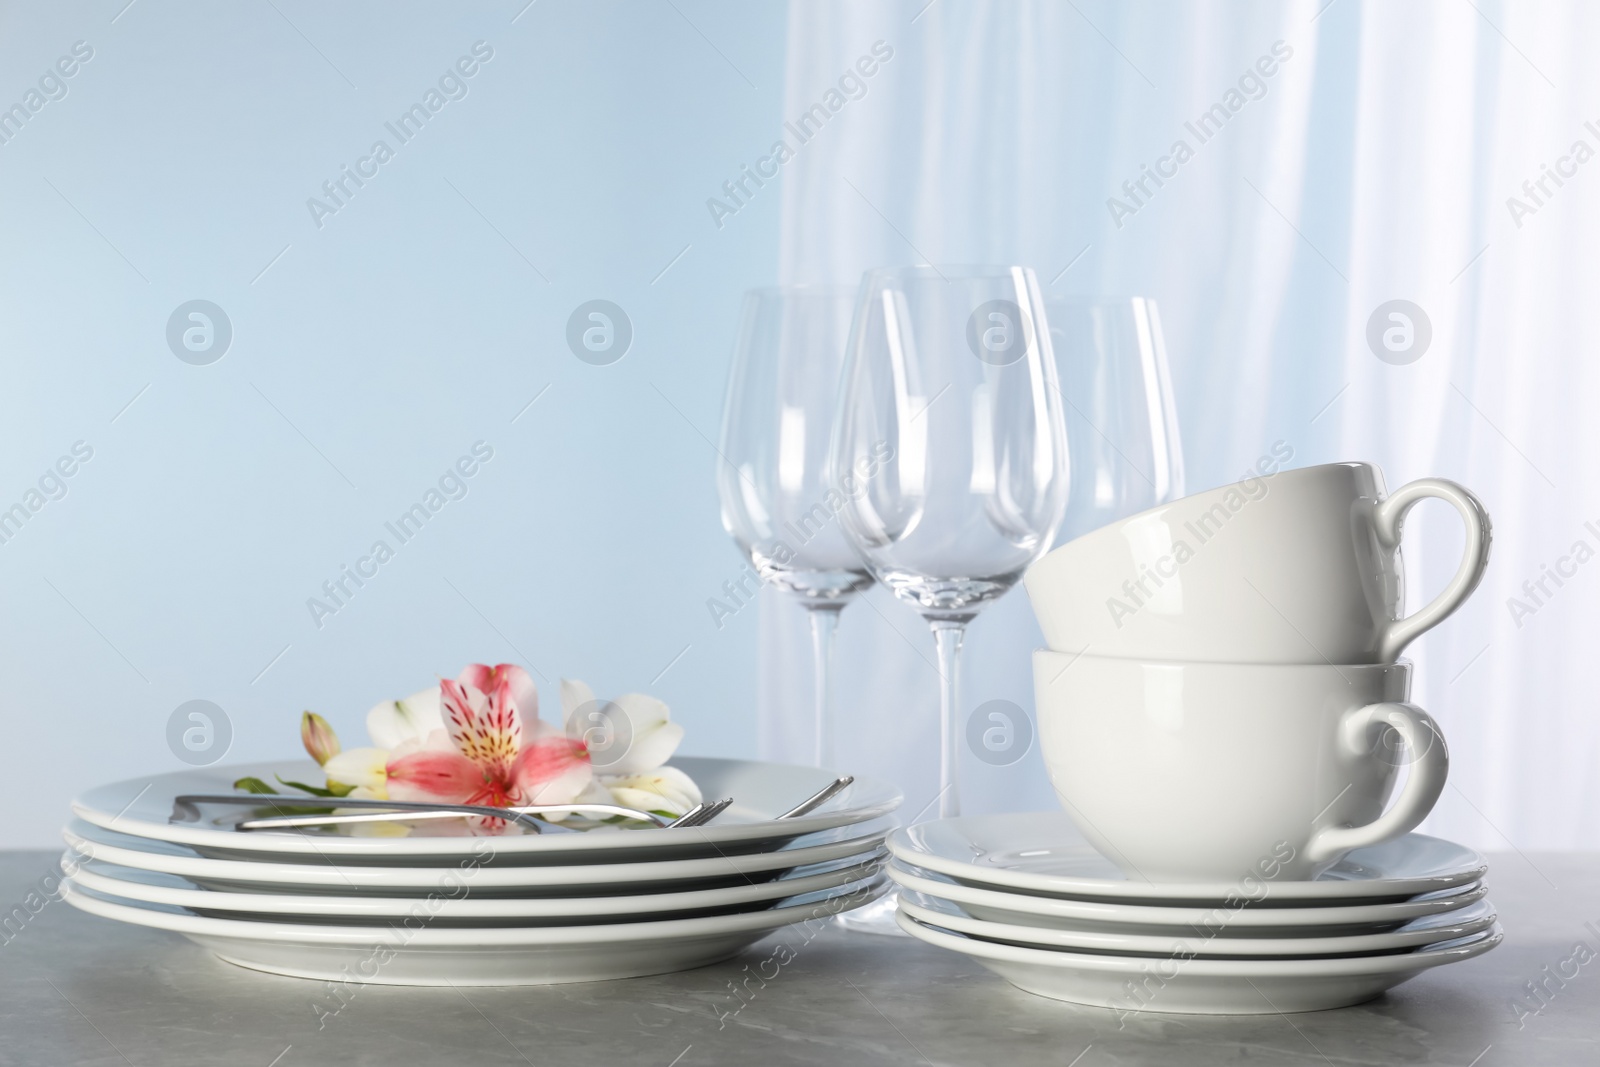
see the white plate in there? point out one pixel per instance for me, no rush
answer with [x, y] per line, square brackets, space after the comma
[576, 879]
[1021, 909]
[1426, 931]
[496, 956]
[1043, 852]
[1132, 984]
[149, 887]
[143, 807]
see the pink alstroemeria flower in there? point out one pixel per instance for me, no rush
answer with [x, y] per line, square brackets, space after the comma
[496, 752]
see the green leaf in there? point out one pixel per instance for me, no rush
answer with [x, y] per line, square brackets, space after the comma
[291, 809]
[254, 785]
[334, 789]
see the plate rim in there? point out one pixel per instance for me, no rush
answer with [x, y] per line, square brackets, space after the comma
[1157, 915]
[369, 876]
[1346, 967]
[902, 846]
[461, 846]
[940, 921]
[490, 907]
[330, 935]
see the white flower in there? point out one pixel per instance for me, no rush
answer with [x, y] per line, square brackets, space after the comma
[666, 789]
[394, 722]
[642, 724]
[364, 768]
[409, 724]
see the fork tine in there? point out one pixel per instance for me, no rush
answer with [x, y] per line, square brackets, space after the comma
[713, 810]
[686, 819]
[699, 817]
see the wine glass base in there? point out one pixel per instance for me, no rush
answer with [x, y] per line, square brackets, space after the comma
[874, 918]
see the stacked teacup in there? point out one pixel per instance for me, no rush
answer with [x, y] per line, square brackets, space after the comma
[1221, 705]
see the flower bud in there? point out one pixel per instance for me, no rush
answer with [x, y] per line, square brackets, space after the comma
[318, 737]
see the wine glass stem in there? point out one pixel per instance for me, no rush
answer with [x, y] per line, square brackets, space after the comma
[947, 637]
[824, 624]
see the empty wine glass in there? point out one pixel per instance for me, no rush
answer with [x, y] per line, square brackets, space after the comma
[1122, 428]
[950, 397]
[775, 488]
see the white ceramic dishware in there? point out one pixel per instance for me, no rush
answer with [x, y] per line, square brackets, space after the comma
[1130, 985]
[1426, 931]
[143, 807]
[1185, 772]
[1222, 920]
[1296, 566]
[150, 887]
[422, 955]
[1043, 853]
[577, 879]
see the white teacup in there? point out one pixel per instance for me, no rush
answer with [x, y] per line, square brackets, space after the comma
[1219, 771]
[1302, 566]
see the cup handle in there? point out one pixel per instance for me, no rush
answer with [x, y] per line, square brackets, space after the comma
[1430, 765]
[1389, 517]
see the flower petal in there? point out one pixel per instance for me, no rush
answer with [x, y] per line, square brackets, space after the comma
[574, 695]
[552, 770]
[653, 738]
[364, 768]
[506, 678]
[667, 789]
[428, 774]
[645, 712]
[648, 751]
[394, 722]
[486, 730]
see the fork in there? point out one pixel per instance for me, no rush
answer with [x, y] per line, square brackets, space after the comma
[185, 806]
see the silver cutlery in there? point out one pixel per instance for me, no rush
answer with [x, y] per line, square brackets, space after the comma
[819, 798]
[186, 808]
[705, 813]
[523, 815]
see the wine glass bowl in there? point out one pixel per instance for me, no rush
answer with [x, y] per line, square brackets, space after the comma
[952, 381]
[1122, 426]
[775, 482]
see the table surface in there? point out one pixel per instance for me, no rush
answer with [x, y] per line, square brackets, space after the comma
[80, 991]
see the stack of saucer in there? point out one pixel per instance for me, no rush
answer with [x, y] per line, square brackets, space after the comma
[1029, 898]
[454, 906]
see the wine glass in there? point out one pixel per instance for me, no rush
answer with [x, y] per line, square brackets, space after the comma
[949, 450]
[1122, 428]
[777, 500]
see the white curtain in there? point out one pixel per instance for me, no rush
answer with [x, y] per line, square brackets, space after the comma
[1376, 162]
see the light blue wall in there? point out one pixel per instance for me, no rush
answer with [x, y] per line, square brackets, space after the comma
[370, 356]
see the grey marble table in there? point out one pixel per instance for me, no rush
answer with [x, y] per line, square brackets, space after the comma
[79, 991]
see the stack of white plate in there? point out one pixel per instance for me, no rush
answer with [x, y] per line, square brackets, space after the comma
[1026, 896]
[437, 906]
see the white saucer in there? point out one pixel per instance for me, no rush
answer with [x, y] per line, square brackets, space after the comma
[1248, 920]
[143, 807]
[1044, 853]
[149, 887]
[1133, 984]
[1427, 931]
[406, 955]
[567, 880]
